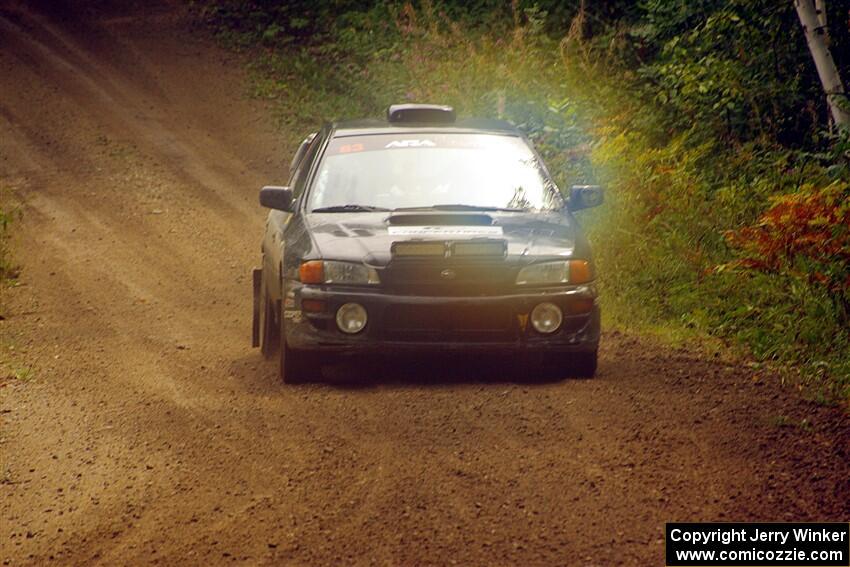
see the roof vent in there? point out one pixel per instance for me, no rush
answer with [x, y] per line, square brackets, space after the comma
[421, 113]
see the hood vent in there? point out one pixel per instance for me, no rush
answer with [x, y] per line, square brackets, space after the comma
[440, 219]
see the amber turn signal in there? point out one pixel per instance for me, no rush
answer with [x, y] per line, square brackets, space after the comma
[581, 271]
[312, 272]
[580, 306]
[312, 305]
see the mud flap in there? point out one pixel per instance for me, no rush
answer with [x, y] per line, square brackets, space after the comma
[257, 278]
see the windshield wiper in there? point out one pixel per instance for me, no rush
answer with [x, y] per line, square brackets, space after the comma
[459, 207]
[348, 209]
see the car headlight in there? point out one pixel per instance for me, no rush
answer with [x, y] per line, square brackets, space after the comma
[351, 318]
[546, 318]
[334, 272]
[558, 272]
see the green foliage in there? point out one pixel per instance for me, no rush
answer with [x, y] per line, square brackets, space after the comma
[697, 115]
[707, 72]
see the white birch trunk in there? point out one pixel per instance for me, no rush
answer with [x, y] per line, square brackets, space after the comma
[820, 6]
[827, 71]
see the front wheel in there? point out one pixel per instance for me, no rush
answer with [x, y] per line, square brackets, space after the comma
[584, 364]
[551, 367]
[297, 367]
[268, 325]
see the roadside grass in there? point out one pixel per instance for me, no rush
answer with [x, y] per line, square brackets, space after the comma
[21, 373]
[9, 212]
[9, 269]
[782, 421]
[15, 364]
[673, 194]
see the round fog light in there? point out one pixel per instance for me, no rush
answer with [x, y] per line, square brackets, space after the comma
[351, 318]
[546, 318]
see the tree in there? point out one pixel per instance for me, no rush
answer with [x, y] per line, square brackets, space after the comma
[814, 26]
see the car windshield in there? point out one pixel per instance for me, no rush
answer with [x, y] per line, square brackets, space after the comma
[444, 171]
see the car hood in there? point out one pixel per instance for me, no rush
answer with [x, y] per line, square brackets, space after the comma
[369, 236]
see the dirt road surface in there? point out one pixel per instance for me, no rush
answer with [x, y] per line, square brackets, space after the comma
[139, 427]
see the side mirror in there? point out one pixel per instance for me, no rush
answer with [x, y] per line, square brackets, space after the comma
[585, 196]
[279, 198]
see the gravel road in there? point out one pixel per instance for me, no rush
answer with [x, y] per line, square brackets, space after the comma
[137, 426]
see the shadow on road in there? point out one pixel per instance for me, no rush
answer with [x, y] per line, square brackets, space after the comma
[430, 370]
[362, 372]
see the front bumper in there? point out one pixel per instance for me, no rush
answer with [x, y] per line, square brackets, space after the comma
[386, 334]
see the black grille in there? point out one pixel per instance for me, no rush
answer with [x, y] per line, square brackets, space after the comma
[448, 278]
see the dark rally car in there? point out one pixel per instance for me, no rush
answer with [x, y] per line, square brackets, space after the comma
[424, 233]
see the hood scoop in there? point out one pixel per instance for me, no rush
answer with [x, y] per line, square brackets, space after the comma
[440, 219]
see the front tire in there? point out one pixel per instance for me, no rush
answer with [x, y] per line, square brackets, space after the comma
[269, 327]
[561, 366]
[584, 364]
[297, 367]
